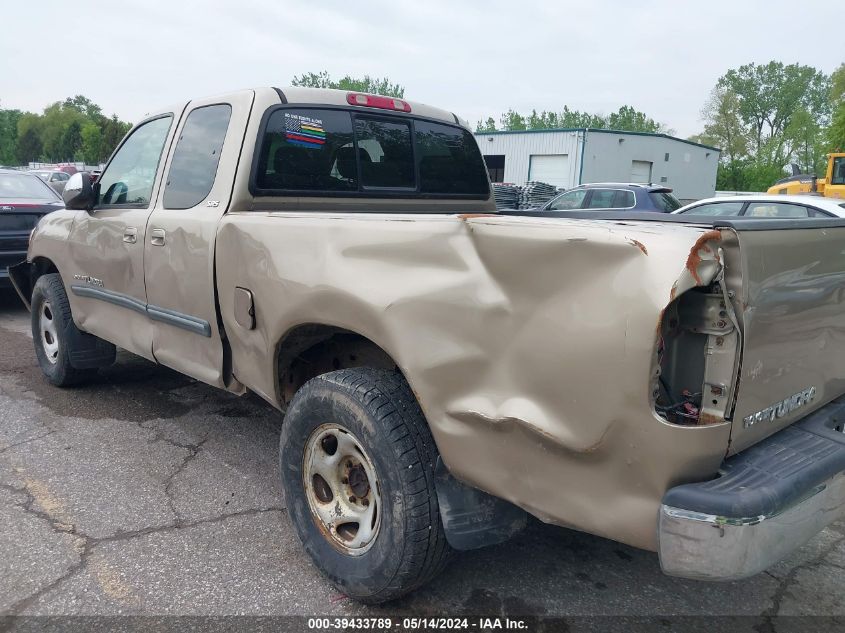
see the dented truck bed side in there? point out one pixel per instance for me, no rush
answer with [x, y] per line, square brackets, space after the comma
[530, 343]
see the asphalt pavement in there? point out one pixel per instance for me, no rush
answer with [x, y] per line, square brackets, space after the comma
[150, 493]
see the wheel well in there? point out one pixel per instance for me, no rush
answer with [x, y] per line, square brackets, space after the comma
[41, 266]
[27, 276]
[313, 349]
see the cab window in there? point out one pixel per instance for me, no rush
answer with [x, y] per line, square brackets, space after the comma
[195, 159]
[775, 210]
[838, 175]
[717, 209]
[128, 179]
[569, 200]
[384, 153]
[611, 199]
[601, 199]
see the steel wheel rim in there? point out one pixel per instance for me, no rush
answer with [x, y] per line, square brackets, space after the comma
[342, 489]
[49, 332]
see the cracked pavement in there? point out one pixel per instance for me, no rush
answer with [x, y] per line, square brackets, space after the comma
[150, 493]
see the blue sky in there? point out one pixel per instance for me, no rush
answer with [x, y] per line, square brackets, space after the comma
[474, 58]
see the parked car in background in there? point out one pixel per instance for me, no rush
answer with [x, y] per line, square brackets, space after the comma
[613, 195]
[56, 178]
[24, 199]
[767, 206]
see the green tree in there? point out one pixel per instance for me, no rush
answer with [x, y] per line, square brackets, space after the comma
[626, 118]
[9, 136]
[769, 95]
[113, 132]
[29, 144]
[487, 126]
[92, 141]
[370, 85]
[71, 141]
[512, 120]
[631, 120]
[836, 131]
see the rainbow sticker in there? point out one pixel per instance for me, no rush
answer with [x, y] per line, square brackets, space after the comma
[304, 131]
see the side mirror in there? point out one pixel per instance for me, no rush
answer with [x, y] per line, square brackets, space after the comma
[78, 193]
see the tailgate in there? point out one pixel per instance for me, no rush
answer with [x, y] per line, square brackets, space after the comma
[790, 300]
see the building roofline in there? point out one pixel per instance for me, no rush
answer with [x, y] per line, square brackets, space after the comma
[602, 131]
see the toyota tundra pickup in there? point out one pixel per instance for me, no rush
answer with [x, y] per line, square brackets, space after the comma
[671, 382]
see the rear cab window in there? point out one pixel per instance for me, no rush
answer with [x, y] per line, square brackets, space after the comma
[339, 152]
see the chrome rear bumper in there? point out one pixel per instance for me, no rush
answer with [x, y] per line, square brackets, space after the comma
[770, 499]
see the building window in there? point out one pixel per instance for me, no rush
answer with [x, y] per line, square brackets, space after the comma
[666, 157]
[495, 167]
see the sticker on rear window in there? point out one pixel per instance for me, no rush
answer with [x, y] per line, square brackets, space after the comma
[304, 131]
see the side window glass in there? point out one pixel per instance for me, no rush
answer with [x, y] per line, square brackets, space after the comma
[717, 208]
[624, 200]
[775, 210]
[130, 175]
[384, 153]
[602, 199]
[568, 200]
[195, 159]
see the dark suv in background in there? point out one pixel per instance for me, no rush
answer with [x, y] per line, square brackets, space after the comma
[613, 195]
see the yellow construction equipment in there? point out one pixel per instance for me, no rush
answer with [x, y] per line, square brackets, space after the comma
[831, 186]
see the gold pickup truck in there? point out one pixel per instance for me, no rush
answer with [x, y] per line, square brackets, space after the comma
[671, 382]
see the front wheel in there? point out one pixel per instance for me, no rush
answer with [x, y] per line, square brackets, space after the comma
[51, 326]
[357, 461]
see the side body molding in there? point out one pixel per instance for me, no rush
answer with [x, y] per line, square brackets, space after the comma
[156, 313]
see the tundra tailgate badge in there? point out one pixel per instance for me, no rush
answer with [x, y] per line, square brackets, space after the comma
[781, 409]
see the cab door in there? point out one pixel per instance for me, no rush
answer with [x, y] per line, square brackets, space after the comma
[106, 245]
[180, 241]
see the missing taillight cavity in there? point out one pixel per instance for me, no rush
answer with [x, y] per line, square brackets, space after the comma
[695, 360]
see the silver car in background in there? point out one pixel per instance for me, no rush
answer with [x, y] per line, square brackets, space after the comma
[55, 178]
[766, 206]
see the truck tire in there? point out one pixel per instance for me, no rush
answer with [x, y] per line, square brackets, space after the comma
[51, 325]
[357, 462]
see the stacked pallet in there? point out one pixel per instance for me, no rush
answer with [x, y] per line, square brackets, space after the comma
[507, 196]
[536, 194]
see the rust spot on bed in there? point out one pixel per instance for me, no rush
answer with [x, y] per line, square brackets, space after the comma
[469, 216]
[639, 245]
[707, 418]
[694, 258]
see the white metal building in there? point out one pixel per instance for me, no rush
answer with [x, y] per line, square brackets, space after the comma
[570, 157]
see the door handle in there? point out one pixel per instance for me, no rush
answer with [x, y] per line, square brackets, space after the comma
[157, 237]
[130, 235]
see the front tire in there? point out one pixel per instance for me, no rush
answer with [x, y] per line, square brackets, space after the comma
[357, 462]
[51, 319]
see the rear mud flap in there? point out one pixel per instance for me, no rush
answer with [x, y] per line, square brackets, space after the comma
[472, 518]
[87, 350]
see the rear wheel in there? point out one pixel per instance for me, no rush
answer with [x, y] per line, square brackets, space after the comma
[51, 322]
[357, 462]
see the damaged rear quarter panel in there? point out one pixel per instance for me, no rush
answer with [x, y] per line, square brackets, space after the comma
[528, 341]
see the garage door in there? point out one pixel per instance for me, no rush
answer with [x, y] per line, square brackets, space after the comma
[550, 168]
[641, 171]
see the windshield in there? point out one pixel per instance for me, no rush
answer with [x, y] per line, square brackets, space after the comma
[24, 186]
[664, 201]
